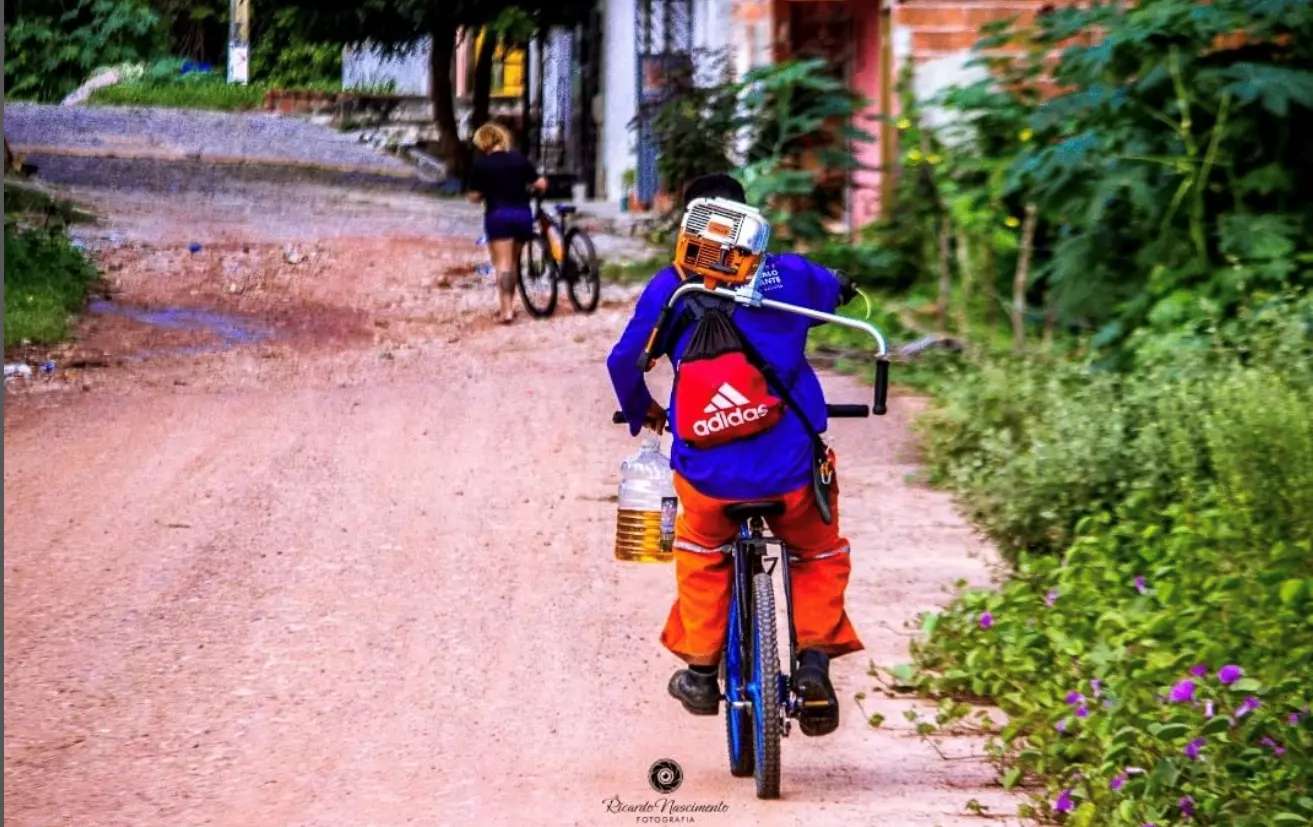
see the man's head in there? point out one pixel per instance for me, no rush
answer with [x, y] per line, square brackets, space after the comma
[716, 185]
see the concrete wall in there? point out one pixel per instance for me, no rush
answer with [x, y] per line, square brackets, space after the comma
[617, 147]
[365, 65]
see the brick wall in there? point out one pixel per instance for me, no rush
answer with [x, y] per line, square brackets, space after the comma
[932, 29]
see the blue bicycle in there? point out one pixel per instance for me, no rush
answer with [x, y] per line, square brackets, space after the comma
[761, 701]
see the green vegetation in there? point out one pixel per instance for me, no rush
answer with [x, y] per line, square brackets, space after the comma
[1160, 528]
[52, 50]
[46, 281]
[1146, 474]
[195, 90]
[797, 121]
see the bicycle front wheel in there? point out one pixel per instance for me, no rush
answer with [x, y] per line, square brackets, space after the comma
[537, 277]
[582, 275]
[764, 689]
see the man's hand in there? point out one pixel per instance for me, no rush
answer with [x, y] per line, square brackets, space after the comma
[847, 287]
[655, 419]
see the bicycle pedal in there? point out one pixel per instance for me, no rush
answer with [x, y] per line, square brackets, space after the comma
[822, 703]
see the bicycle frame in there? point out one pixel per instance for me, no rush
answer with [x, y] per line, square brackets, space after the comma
[542, 219]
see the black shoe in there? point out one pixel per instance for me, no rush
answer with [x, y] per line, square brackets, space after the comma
[820, 706]
[700, 694]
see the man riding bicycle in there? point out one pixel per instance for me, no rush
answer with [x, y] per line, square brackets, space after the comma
[775, 464]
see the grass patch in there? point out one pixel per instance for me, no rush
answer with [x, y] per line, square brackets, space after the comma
[210, 94]
[46, 282]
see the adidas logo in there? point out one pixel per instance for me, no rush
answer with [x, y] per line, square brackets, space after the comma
[727, 397]
[727, 410]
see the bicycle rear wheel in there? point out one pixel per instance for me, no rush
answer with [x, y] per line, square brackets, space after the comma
[537, 277]
[582, 276]
[764, 688]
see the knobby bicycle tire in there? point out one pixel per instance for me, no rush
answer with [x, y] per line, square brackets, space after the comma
[766, 673]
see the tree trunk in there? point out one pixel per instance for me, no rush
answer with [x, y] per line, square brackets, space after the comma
[483, 81]
[945, 278]
[1020, 281]
[991, 291]
[444, 101]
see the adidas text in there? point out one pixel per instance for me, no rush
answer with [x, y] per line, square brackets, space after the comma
[722, 420]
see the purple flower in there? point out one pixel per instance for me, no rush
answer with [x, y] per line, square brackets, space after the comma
[1209, 709]
[1051, 597]
[1082, 711]
[1108, 703]
[1182, 692]
[1074, 697]
[1247, 706]
[1199, 670]
[1117, 781]
[1096, 687]
[1187, 806]
[1150, 824]
[1293, 720]
[1061, 726]
[986, 620]
[1139, 585]
[1279, 751]
[1192, 748]
[1267, 742]
[1229, 674]
[1065, 803]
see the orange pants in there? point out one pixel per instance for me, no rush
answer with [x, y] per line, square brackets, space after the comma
[819, 563]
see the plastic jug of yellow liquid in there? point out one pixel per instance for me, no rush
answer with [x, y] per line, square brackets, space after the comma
[646, 507]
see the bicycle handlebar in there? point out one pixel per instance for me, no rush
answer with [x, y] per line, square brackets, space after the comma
[752, 298]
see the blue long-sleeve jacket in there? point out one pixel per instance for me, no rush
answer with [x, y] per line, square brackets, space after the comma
[771, 463]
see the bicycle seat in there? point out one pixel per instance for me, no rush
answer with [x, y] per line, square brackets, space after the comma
[742, 512]
[565, 209]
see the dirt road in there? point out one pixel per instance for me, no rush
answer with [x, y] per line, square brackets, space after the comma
[339, 552]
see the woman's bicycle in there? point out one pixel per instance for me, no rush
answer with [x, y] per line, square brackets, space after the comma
[558, 252]
[761, 701]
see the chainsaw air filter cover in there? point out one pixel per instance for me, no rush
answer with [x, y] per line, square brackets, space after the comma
[721, 241]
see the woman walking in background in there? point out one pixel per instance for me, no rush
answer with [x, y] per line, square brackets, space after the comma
[502, 179]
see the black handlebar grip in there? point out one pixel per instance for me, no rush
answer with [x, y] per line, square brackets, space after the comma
[881, 387]
[851, 411]
[617, 418]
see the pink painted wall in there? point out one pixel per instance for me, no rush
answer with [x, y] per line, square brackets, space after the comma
[462, 61]
[866, 81]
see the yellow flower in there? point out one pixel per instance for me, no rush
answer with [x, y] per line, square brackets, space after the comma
[1026, 135]
[904, 123]
[914, 156]
[1012, 221]
[932, 158]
